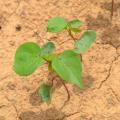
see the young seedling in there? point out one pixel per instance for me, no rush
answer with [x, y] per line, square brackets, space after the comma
[67, 65]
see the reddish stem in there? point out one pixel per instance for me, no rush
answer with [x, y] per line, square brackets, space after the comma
[112, 9]
[67, 93]
[70, 33]
[66, 90]
[81, 57]
[54, 78]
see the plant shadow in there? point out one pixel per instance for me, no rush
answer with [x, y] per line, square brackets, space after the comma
[108, 6]
[109, 32]
[111, 36]
[99, 22]
[35, 100]
[49, 114]
[88, 81]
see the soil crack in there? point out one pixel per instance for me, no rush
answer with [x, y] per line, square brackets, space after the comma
[109, 72]
[12, 103]
[116, 96]
[4, 77]
[18, 4]
[66, 116]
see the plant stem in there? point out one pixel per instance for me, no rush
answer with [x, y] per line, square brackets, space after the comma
[81, 57]
[80, 54]
[54, 78]
[112, 9]
[68, 93]
[70, 33]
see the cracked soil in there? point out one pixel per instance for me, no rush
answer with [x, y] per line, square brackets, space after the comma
[26, 20]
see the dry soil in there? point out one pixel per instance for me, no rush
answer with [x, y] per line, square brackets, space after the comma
[26, 20]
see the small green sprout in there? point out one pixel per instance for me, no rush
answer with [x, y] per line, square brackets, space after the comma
[67, 65]
[45, 92]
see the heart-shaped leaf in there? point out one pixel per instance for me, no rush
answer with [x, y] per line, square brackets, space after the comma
[56, 24]
[47, 49]
[85, 42]
[68, 67]
[75, 23]
[27, 59]
[45, 93]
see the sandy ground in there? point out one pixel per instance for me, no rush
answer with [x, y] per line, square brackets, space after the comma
[26, 20]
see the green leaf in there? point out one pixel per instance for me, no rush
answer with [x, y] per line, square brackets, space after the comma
[85, 41]
[56, 24]
[75, 23]
[27, 59]
[47, 49]
[68, 67]
[45, 93]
